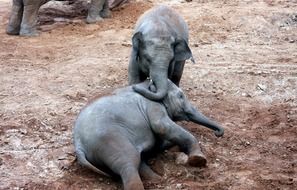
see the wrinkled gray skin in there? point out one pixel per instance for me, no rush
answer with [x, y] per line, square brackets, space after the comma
[159, 50]
[114, 133]
[23, 18]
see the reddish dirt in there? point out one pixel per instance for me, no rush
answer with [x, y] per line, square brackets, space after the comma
[245, 79]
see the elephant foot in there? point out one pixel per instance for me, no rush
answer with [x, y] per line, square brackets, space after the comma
[196, 157]
[197, 160]
[134, 185]
[29, 32]
[106, 13]
[148, 174]
[93, 19]
[12, 30]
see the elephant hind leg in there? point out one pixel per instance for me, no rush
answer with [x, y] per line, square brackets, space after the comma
[96, 7]
[29, 22]
[147, 173]
[131, 178]
[119, 155]
[15, 19]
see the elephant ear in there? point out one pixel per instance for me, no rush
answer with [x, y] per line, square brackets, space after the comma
[182, 51]
[136, 40]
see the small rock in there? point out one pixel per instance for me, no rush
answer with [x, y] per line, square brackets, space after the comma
[181, 159]
[23, 131]
[179, 186]
[60, 19]
[53, 113]
[246, 94]
[261, 87]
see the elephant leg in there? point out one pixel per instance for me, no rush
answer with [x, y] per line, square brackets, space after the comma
[170, 131]
[166, 145]
[105, 12]
[177, 72]
[29, 22]
[196, 157]
[147, 173]
[96, 7]
[119, 155]
[130, 177]
[15, 19]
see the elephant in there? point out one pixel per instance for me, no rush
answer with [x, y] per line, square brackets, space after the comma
[159, 50]
[115, 135]
[23, 18]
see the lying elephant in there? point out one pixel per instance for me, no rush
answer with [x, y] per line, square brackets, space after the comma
[23, 18]
[115, 132]
[159, 50]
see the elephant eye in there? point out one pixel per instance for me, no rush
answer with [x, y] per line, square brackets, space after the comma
[180, 95]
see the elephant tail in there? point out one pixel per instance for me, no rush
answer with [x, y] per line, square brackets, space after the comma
[83, 161]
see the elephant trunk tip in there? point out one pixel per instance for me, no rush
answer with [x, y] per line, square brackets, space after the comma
[219, 132]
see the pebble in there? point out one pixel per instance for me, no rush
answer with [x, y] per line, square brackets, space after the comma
[181, 159]
[261, 87]
[23, 131]
[179, 186]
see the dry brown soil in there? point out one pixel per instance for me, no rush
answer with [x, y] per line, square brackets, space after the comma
[245, 78]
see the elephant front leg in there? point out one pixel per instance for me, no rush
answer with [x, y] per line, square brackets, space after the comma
[29, 22]
[169, 130]
[94, 11]
[15, 19]
[177, 72]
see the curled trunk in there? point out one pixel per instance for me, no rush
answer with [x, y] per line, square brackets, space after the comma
[161, 83]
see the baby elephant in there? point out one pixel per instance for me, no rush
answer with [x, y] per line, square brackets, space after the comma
[23, 18]
[115, 133]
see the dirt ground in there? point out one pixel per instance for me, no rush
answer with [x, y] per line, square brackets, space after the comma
[245, 78]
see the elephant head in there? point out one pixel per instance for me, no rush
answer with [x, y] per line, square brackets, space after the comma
[156, 56]
[179, 108]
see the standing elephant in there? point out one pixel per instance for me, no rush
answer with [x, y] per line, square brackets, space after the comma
[159, 50]
[23, 18]
[115, 133]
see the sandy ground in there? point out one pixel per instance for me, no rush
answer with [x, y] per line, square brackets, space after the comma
[245, 79]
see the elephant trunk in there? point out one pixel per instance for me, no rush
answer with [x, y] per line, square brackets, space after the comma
[159, 79]
[197, 117]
